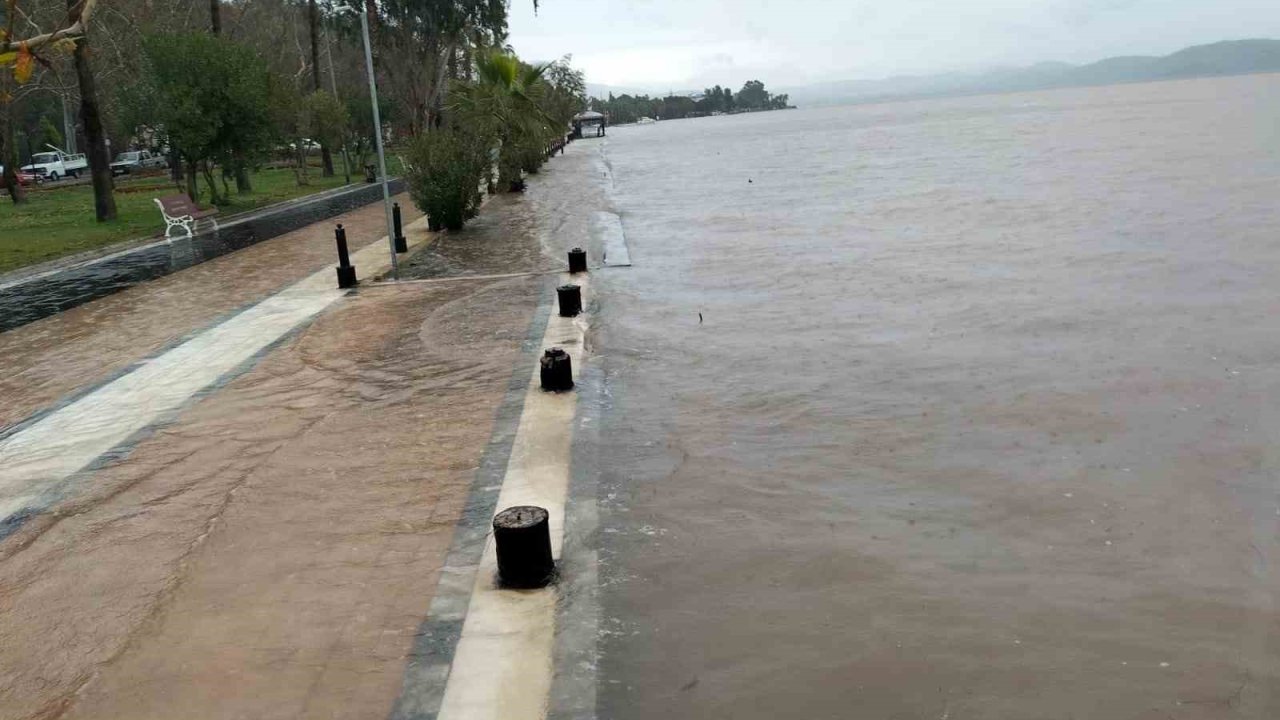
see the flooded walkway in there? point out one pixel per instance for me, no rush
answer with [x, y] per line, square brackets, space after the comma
[32, 293]
[270, 546]
[51, 359]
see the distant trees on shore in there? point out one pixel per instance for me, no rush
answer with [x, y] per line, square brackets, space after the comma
[630, 108]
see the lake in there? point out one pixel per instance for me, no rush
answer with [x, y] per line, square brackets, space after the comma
[956, 408]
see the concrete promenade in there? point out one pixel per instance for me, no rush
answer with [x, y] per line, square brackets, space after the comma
[229, 492]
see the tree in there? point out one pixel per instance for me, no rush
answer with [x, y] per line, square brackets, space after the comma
[104, 200]
[503, 102]
[322, 119]
[50, 134]
[425, 36]
[566, 93]
[313, 29]
[445, 171]
[22, 54]
[213, 97]
[752, 96]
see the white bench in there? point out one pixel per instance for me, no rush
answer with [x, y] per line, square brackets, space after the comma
[179, 211]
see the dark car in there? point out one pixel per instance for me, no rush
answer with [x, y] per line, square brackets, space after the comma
[135, 161]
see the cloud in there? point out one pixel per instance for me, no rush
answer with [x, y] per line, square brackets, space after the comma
[689, 43]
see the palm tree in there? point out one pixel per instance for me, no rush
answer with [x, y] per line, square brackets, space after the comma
[503, 103]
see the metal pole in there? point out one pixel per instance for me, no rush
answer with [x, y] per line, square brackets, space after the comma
[377, 137]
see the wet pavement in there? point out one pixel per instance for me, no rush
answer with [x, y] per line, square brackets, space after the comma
[474, 250]
[51, 360]
[272, 553]
[32, 296]
[272, 550]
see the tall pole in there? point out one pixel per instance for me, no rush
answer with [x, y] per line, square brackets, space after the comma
[377, 138]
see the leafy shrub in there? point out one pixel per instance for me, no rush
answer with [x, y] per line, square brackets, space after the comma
[445, 170]
[532, 155]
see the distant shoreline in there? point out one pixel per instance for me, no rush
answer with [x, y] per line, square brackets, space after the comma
[1223, 59]
[888, 99]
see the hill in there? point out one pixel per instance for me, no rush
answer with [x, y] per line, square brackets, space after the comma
[1233, 57]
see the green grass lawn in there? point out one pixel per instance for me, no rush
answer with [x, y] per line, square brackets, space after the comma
[60, 221]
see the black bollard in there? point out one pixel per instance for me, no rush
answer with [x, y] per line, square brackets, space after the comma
[557, 371]
[522, 537]
[570, 300]
[346, 272]
[577, 260]
[402, 245]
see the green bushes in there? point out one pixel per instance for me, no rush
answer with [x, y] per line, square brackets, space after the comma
[507, 116]
[533, 154]
[446, 167]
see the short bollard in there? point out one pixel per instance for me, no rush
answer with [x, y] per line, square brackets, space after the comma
[556, 371]
[570, 300]
[577, 260]
[522, 537]
[346, 272]
[402, 245]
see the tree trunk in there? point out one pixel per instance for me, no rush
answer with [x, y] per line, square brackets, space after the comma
[313, 28]
[371, 12]
[9, 152]
[215, 16]
[104, 200]
[326, 158]
[193, 187]
[303, 172]
[435, 93]
[509, 175]
[313, 23]
[207, 170]
[243, 186]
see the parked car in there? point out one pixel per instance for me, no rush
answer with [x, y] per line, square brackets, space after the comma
[136, 160]
[56, 164]
[25, 178]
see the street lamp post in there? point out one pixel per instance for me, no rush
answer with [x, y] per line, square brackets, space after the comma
[377, 137]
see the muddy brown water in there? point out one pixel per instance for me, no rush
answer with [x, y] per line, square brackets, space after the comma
[52, 358]
[272, 552]
[490, 244]
[978, 422]
[61, 285]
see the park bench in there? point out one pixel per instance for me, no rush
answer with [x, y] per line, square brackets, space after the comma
[179, 211]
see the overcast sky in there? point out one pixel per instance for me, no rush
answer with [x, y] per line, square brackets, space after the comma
[689, 44]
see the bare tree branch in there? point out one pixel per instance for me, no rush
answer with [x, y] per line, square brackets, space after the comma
[74, 30]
